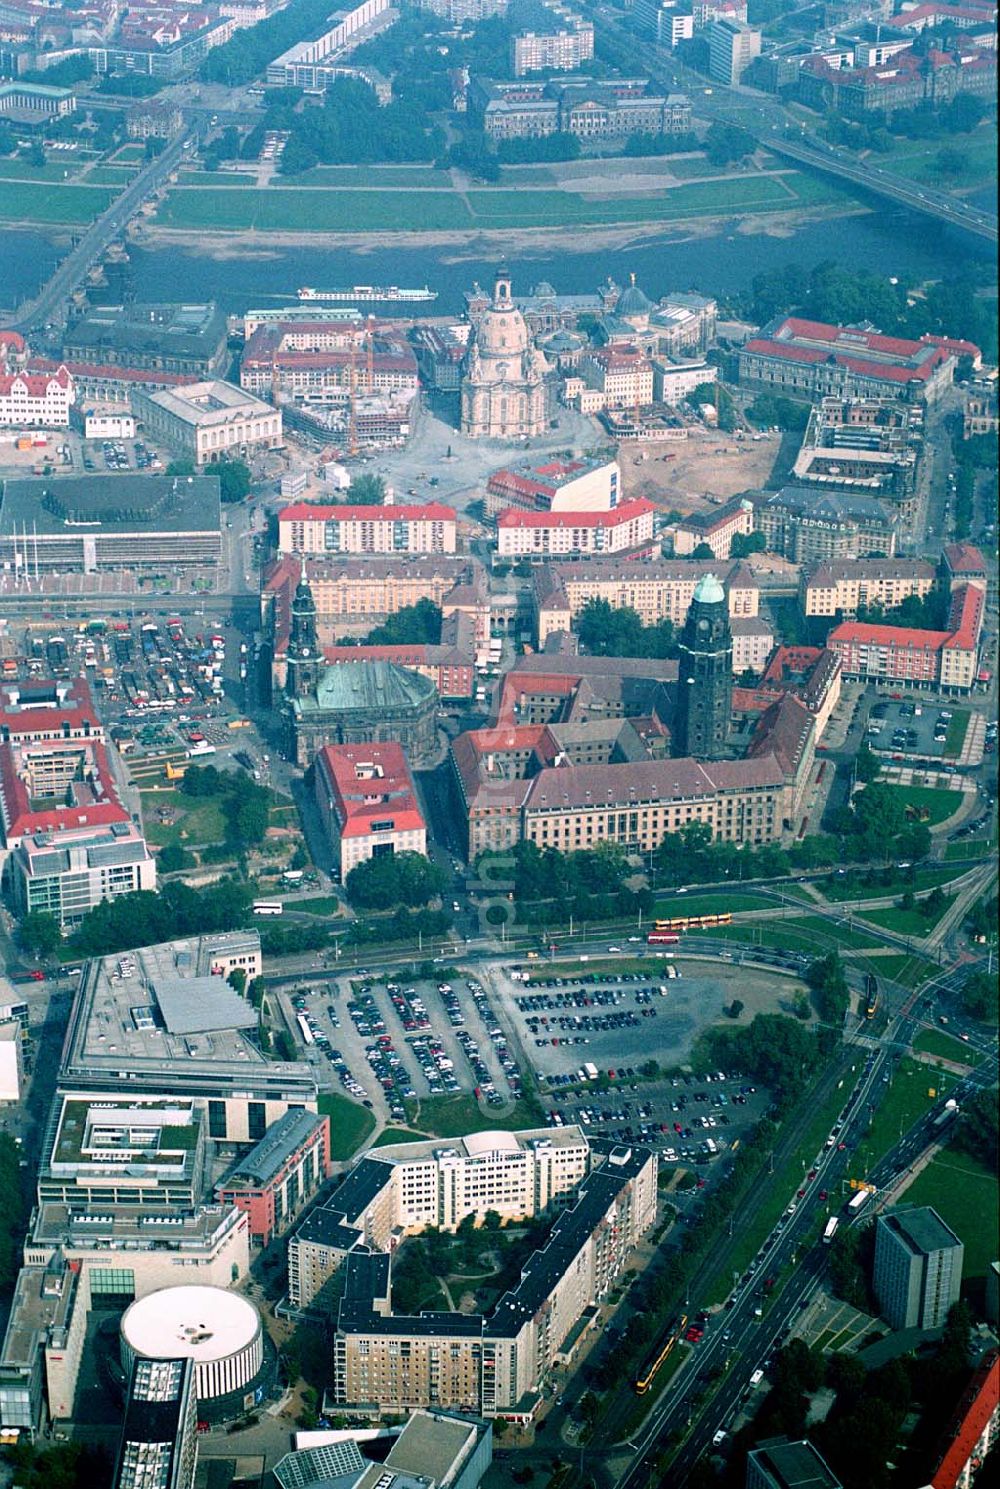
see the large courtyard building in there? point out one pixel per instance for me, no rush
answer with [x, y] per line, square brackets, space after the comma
[351, 595]
[587, 108]
[866, 446]
[209, 421]
[306, 528]
[367, 803]
[323, 364]
[811, 360]
[88, 524]
[521, 781]
[188, 339]
[807, 524]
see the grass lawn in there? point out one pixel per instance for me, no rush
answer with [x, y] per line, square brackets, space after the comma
[390, 1135]
[852, 885]
[37, 201]
[110, 175]
[711, 904]
[964, 1193]
[364, 177]
[978, 154]
[908, 971]
[752, 1237]
[940, 805]
[936, 1042]
[907, 922]
[350, 1124]
[52, 170]
[803, 933]
[957, 730]
[199, 819]
[453, 1116]
[959, 852]
[906, 1100]
[130, 152]
[321, 904]
[306, 208]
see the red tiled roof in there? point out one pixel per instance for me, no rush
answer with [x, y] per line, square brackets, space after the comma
[12, 341]
[965, 617]
[964, 558]
[37, 385]
[114, 373]
[303, 512]
[893, 636]
[361, 800]
[791, 353]
[977, 1409]
[20, 820]
[514, 517]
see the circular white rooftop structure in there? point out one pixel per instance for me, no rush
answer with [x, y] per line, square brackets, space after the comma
[495, 1141]
[219, 1331]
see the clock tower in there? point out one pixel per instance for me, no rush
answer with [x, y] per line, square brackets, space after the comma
[304, 660]
[705, 678]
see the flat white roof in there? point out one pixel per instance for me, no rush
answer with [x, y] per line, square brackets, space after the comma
[190, 1323]
[490, 1142]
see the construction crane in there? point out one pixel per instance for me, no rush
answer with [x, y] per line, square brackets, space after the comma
[370, 349]
[352, 420]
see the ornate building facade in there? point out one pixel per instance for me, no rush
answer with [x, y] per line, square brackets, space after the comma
[506, 388]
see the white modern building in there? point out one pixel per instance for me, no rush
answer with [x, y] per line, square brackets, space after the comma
[733, 45]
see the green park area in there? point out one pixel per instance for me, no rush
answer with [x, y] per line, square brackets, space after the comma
[350, 1124]
[964, 1193]
[172, 817]
[958, 728]
[806, 933]
[281, 208]
[908, 1098]
[944, 163]
[918, 921]
[453, 1116]
[943, 1046]
[38, 201]
[938, 805]
[872, 884]
[390, 1135]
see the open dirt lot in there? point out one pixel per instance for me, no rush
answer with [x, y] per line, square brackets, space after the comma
[688, 474]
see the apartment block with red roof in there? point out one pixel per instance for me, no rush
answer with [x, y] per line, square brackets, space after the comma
[716, 528]
[555, 486]
[367, 803]
[523, 534]
[809, 359]
[974, 1430]
[390, 529]
[930, 659]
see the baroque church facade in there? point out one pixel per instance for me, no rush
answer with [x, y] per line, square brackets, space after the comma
[506, 387]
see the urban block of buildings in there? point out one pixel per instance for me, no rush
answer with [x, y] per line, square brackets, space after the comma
[160, 1077]
[434, 1450]
[548, 36]
[63, 858]
[493, 1365]
[312, 64]
[918, 1268]
[948, 659]
[208, 421]
[95, 523]
[562, 485]
[841, 588]
[309, 528]
[811, 360]
[283, 1170]
[367, 803]
[807, 524]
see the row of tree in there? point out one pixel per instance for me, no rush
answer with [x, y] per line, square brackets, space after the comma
[607, 630]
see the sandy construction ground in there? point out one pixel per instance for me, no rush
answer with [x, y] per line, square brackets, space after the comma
[688, 474]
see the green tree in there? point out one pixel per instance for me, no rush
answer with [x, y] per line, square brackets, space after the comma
[828, 981]
[867, 765]
[726, 143]
[979, 997]
[743, 544]
[414, 624]
[173, 856]
[234, 480]
[394, 879]
[703, 551]
[978, 1126]
[39, 934]
[237, 979]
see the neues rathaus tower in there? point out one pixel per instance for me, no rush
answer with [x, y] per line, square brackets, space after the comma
[705, 680]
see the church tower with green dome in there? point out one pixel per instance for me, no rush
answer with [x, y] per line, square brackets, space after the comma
[705, 678]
